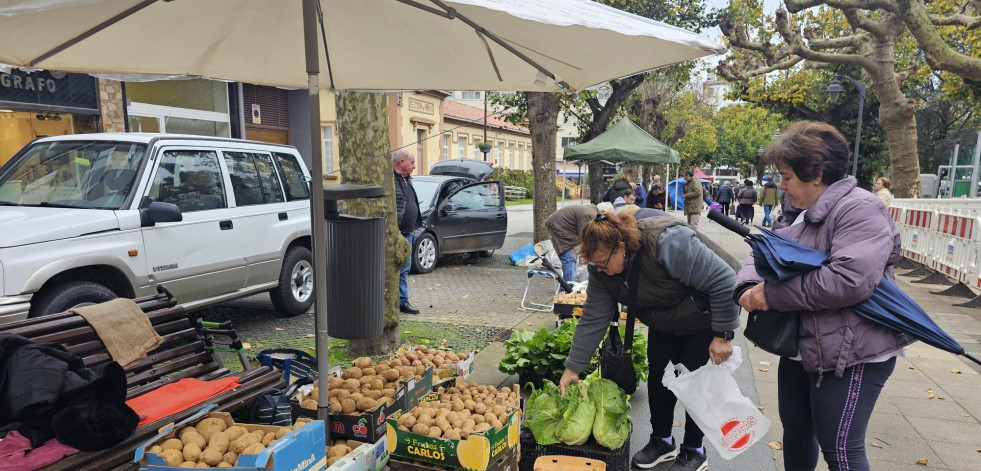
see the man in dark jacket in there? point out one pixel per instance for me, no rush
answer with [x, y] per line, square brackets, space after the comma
[563, 230]
[409, 217]
[725, 197]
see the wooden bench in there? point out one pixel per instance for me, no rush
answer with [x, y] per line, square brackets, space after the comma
[514, 192]
[183, 354]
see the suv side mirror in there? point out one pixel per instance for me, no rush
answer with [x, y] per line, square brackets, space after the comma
[152, 212]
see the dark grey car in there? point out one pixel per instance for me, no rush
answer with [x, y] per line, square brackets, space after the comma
[459, 215]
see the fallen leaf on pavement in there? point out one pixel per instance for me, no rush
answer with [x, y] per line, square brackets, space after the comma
[923, 461]
[875, 444]
[279, 329]
[956, 372]
[931, 396]
[765, 363]
[759, 407]
[465, 296]
[929, 390]
[764, 369]
[775, 445]
[941, 398]
[911, 367]
[965, 414]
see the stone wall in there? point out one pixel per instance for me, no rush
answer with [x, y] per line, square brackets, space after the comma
[111, 104]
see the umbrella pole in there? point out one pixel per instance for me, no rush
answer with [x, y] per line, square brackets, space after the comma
[317, 201]
[972, 358]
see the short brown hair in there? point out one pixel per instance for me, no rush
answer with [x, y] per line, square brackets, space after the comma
[886, 183]
[603, 233]
[808, 148]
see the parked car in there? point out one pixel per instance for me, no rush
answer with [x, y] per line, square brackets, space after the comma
[88, 218]
[460, 214]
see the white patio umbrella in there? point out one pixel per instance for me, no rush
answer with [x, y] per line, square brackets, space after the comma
[528, 45]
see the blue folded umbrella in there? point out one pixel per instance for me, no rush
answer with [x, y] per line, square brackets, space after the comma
[779, 258]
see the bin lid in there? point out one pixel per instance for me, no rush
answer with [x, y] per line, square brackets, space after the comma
[349, 192]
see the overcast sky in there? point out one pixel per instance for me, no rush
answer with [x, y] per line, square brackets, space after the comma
[769, 5]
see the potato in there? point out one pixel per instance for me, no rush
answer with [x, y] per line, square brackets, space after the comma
[482, 427]
[191, 452]
[172, 444]
[223, 465]
[351, 373]
[243, 442]
[311, 404]
[435, 432]
[202, 465]
[268, 439]
[253, 449]
[172, 456]
[480, 408]
[348, 406]
[282, 432]
[259, 434]
[299, 424]
[331, 461]
[231, 458]
[189, 464]
[195, 438]
[234, 432]
[421, 429]
[369, 371]
[377, 383]
[338, 450]
[352, 385]
[212, 456]
[211, 425]
[186, 430]
[364, 381]
[363, 362]
[453, 434]
[390, 375]
[334, 383]
[155, 449]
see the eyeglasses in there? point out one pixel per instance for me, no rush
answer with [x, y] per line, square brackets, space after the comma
[605, 264]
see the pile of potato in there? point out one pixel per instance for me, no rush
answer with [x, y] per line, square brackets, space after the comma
[338, 450]
[210, 444]
[461, 411]
[364, 386]
[426, 357]
[570, 298]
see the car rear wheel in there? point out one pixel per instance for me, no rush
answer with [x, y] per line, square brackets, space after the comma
[424, 254]
[69, 295]
[294, 295]
[486, 253]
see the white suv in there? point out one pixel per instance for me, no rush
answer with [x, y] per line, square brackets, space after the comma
[87, 218]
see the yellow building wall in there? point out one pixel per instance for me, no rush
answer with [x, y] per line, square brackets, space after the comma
[472, 134]
[420, 129]
[328, 117]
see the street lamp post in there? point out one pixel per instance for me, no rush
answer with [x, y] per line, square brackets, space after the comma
[834, 92]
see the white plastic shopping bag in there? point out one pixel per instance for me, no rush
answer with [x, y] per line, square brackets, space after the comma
[730, 421]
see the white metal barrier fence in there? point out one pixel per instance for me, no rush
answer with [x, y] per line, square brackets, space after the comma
[944, 235]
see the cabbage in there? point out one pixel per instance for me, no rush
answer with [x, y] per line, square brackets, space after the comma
[544, 414]
[577, 416]
[611, 426]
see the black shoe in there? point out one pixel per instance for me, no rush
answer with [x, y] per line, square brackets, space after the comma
[655, 453]
[408, 309]
[689, 460]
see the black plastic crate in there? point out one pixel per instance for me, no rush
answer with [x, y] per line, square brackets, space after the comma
[566, 309]
[616, 460]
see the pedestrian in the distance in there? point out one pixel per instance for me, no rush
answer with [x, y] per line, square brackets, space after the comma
[640, 195]
[655, 199]
[694, 198]
[827, 392]
[881, 190]
[409, 217]
[725, 197]
[768, 199]
[681, 294]
[747, 198]
[563, 227]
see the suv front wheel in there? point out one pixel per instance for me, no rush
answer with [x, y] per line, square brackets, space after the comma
[294, 295]
[65, 296]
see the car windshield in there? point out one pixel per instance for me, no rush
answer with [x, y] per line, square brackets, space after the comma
[72, 174]
[426, 192]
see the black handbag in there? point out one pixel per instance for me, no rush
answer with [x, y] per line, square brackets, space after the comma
[616, 360]
[773, 331]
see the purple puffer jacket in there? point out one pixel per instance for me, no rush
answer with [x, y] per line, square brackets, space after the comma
[852, 226]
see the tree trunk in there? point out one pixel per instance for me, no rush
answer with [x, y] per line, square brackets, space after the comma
[362, 129]
[897, 113]
[596, 186]
[543, 117]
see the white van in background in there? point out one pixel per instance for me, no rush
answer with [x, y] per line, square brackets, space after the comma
[91, 217]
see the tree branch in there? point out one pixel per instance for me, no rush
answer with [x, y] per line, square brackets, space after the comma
[904, 74]
[854, 41]
[796, 6]
[797, 46]
[733, 73]
[860, 20]
[938, 54]
[967, 21]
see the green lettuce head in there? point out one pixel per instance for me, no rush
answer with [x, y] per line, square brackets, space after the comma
[544, 413]
[611, 426]
[577, 416]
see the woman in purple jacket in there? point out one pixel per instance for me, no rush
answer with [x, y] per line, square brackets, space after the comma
[827, 392]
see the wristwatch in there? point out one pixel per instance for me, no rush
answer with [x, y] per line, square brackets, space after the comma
[727, 335]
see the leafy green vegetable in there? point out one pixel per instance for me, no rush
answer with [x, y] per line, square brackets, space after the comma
[611, 426]
[543, 409]
[577, 416]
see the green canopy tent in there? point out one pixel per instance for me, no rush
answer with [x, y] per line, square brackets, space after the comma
[624, 142]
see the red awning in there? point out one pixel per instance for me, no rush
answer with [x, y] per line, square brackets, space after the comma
[701, 175]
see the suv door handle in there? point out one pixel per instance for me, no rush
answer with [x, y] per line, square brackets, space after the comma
[283, 216]
[225, 225]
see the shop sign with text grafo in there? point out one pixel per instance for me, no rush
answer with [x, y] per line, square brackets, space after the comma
[50, 88]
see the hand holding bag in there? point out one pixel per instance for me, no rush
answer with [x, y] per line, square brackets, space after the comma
[616, 360]
[730, 421]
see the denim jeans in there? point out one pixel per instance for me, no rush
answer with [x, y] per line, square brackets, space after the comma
[766, 214]
[568, 259]
[404, 275]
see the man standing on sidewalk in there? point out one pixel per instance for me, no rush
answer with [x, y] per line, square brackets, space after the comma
[768, 199]
[693, 198]
[409, 217]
